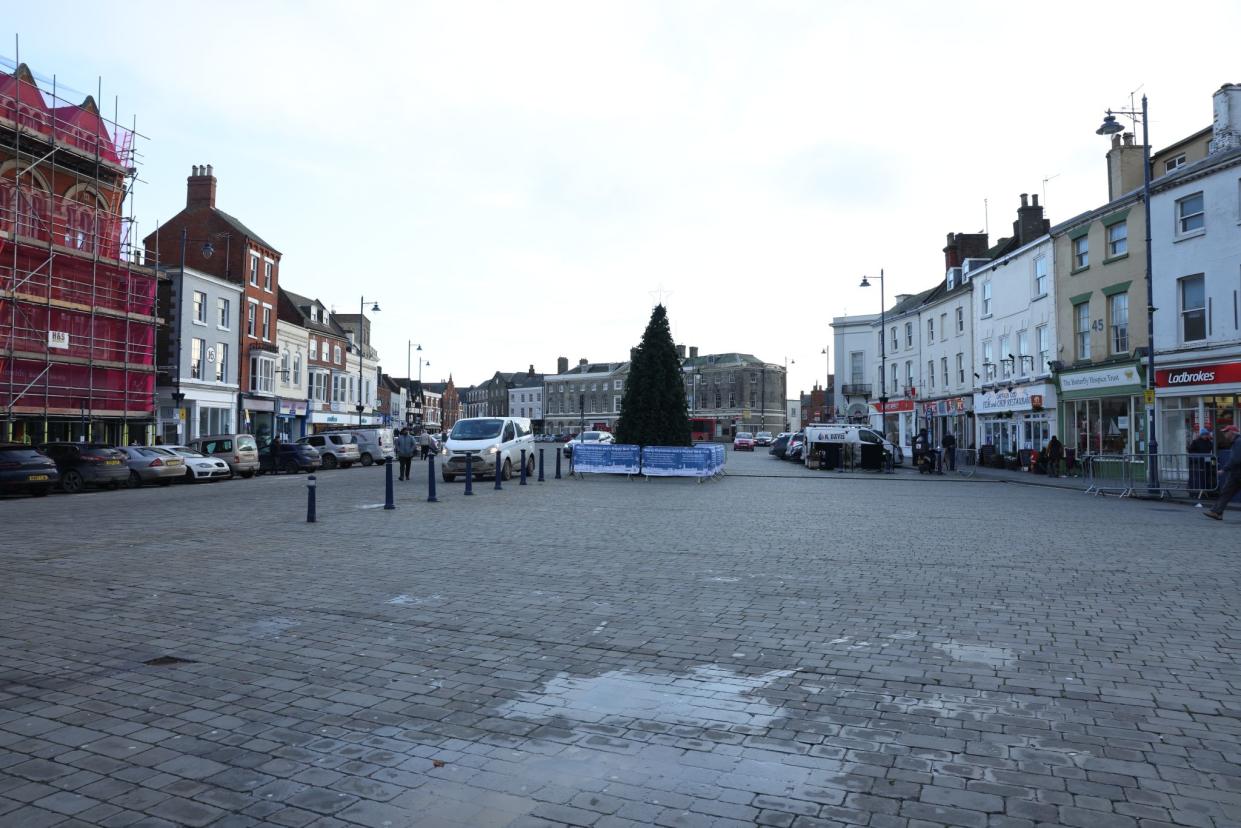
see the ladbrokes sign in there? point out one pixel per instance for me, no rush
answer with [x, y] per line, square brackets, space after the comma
[1217, 374]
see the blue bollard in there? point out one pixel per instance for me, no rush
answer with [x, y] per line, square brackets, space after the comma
[431, 479]
[540, 465]
[389, 503]
[558, 453]
[523, 467]
[499, 457]
[310, 499]
[469, 473]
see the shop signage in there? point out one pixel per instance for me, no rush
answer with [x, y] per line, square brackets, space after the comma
[58, 339]
[943, 408]
[894, 406]
[1220, 372]
[993, 401]
[1100, 379]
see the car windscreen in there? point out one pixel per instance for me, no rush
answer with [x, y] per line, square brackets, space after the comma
[477, 429]
[744, 435]
[246, 443]
[591, 435]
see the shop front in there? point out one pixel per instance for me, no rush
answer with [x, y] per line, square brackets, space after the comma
[1102, 410]
[1012, 420]
[290, 419]
[895, 419]
[1194, 397]
[258, 418]
[952, 415]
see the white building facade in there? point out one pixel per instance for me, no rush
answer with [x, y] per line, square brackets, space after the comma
[292, 379]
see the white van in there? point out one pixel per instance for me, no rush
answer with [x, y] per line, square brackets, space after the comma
[849, 440]
[495, 443]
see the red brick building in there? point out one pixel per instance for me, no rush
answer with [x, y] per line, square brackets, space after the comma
[219, 244]
[77, 312]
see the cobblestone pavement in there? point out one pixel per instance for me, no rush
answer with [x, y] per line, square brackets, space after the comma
[804, 650]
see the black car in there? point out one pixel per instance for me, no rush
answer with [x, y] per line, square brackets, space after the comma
[23, 469]
[290, 457]
[88, 464]
[779, 445]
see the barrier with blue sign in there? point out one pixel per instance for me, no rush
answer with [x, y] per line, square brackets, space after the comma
[680, 461]
[592, 458]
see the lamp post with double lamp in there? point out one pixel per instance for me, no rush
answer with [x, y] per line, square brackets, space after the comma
[1110, 127]
[409, 349]
[361, 310]
[883, 356]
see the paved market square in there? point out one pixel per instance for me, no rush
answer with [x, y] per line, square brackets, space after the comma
[780, 647]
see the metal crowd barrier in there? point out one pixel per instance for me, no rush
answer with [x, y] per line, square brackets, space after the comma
[966, 461]
[1109, 473]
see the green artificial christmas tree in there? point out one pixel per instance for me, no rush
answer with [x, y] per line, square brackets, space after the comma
[653, 410]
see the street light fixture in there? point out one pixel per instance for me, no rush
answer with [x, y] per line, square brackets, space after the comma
[827, 376]
[883, 356]
[1110, 127]
[361, 311]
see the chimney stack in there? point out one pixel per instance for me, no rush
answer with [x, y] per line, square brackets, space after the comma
[200, 188]
[1226, 130]
[1030, 223]
[531, 372]
[583, 361]
[562, 365]
[693, 352]
[680, 352]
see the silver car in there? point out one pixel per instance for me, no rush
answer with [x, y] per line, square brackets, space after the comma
[336, 448]
[152, 464]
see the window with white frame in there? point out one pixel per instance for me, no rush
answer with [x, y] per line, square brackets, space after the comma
[262, 369]
[943, 364]
[896, 342]
[909, 373]
[254, 269]
[1173, 162]
[960, 320]
[221, 362]
[1118, 239]
[1118, 322]
[930, 373]
[284, 364]
[1023, 349]
[1041, 337]
[197, 346]
[943, 327]
[324, 350]
[200, 307]
[336, 355]
[267, 266]
[1081, 252]
[1192, 290]
[1190, 214]
[892, 379]
[909, 334]
[961, 369]
[297, 368]
[1006, 363]
[857, 370]
[1081, 329]
[250, 316]
[986, 298]
[1040, 276]
[222, 313]
[988, 361]
[267, 324]
[930, 329]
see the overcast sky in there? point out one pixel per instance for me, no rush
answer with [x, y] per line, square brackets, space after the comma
[515, 182]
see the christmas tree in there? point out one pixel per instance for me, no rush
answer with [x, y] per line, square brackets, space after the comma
[653, 410]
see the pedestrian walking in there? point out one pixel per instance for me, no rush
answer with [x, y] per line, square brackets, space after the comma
[950, 450]
[424, 443]
[1232, 483]
[405, 448]
[1054, 453]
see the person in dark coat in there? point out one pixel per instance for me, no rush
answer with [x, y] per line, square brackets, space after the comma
[1200, 450]
[950, 450]
[1054, 453]
[1232, 484]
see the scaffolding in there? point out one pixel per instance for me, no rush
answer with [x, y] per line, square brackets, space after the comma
[78, 315]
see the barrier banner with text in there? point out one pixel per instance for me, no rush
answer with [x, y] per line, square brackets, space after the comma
[591, 458]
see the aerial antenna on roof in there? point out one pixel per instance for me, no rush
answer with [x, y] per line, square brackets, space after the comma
[986, 218]
[1045, 180]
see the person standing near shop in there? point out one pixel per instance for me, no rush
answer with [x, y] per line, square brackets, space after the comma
[950, 450]
[1199, 450]
[1055, 453]
[1232, 484]
[424, 443]
[405, 448]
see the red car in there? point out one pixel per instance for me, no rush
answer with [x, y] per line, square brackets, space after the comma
[744, 441]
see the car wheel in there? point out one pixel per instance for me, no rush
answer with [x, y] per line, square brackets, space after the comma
[329, 461]
[530, 466]
[367, 460]
[448, 478]
[506, 471]
[71, 482]
[135, 482]
[289, 467]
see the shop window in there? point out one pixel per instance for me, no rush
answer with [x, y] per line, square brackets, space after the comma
[1118, 318]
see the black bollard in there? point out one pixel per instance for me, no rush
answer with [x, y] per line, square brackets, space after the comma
[523, 467]
[310, 499]
[389, 503]
[558, 452]
[431, 479]
[499, 455]
[469, 472]
[540, 465]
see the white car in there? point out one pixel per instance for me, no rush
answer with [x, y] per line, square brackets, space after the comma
[199, 466]
[601, 437]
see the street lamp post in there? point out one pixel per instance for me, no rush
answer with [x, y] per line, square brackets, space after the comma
[883, 356]
[827, 376]
[1110, 127]
[361, 310]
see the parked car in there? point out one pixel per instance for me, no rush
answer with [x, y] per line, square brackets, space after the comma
[25, 469]
[151, 464]
[743, 441]
[779, 446]
[240, 451]
[290, 458]
[796, 448]
[602, 437]
[198, 466]
[336, 448]
[495, 442]
[374, 444]
[763, 438]
[88, 464]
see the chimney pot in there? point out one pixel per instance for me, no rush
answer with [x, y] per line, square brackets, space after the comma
[1025, 199]
[1034, 200]
[693, 351]
[200, 188]
[209, 172]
